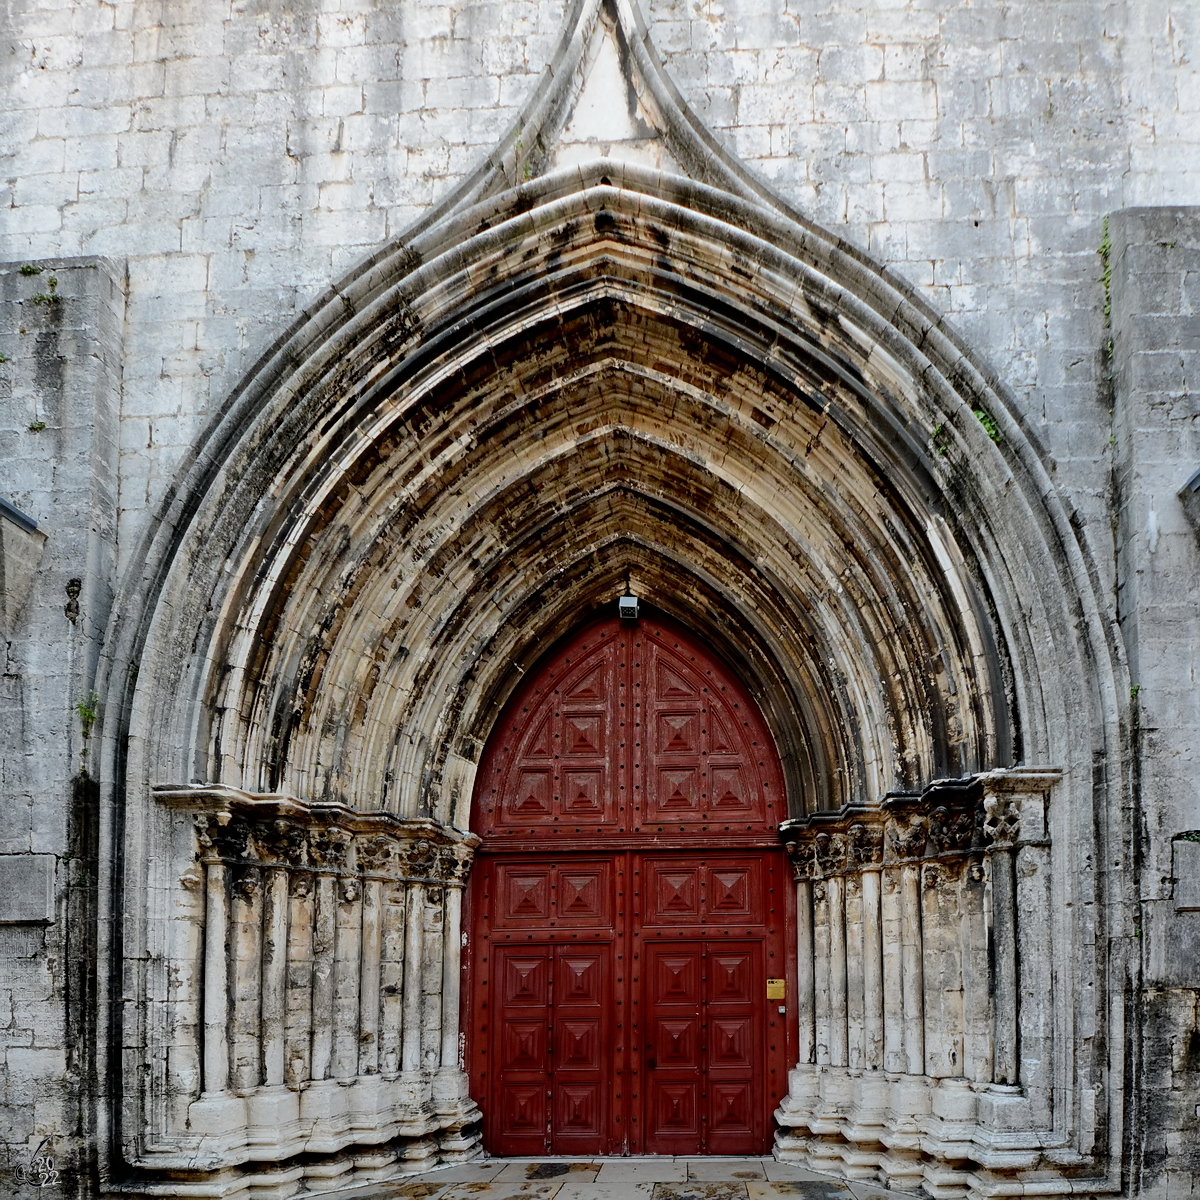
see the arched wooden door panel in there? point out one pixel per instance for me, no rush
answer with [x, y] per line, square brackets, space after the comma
[628, 905]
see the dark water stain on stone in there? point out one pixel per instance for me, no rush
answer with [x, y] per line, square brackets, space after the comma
[547, 1170]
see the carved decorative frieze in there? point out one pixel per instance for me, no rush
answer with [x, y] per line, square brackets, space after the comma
[945, 820]
[253, 833]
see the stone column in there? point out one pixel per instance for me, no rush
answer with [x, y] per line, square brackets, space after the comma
[872, 972]
[347, 964]
[821, 957]
[274, 974]
[246, 1022]
[391, 978]
[451, 970]
[852, 885]
[449, 1086]
[216, 979]
[369, 977]
[1018, 844]
[891, 915]
[941, 924]
[324, 927]
[838, 1041]
[912, 972]
[298, 1017]
[410, 1037]
[977, 998]
[1035, 979]
[806, 1041]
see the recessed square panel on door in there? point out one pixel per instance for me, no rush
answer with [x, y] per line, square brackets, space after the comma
[578, 1121]
[524, 977]
[583, 735]
[730, 1043]
[730, 794]
[673, 889]
[581, 794]
[522, 895]
[522, 1123]
[580, 982]
[674, 1042]
[673, 974]
[732, 975]
[733, 891]
[673, 1117]
[524, 1044]
[584, 894]
[577, 1044]
[531, 796]
[732, 1117]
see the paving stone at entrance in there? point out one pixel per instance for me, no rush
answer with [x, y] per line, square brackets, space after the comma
[700, 1190]
[654, 1178]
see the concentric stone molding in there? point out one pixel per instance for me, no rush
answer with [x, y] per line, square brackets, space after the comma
[606, 374]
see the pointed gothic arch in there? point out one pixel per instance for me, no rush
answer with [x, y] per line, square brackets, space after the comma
[602, 373]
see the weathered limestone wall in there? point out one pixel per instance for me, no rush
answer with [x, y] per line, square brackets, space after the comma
[1156, 365]
[232, 162]
[61, 335]
[241, 158]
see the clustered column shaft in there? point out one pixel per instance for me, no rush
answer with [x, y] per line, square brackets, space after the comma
[924, 940]
[331, 954]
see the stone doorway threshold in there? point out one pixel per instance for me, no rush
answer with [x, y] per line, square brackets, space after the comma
[659, 1177]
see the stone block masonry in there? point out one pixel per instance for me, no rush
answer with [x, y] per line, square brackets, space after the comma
[975, 151]
[61, 328]
[1155, 353]
[188, 196]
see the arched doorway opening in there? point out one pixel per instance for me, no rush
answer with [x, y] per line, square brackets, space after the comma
[629, 905]
[483, 434]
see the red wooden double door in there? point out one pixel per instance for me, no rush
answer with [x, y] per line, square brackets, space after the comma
[629, 906]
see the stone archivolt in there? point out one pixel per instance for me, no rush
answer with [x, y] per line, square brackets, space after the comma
[923, 927]
[552, 388]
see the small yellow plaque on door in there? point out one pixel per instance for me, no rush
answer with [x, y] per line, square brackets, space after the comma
[776, 989]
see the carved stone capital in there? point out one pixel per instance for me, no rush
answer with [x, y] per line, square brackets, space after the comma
[1016, 802]
[1002, 821]
[245, 830]
[943, 821]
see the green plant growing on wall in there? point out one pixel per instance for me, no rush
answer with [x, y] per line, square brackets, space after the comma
[989, 424]
[1105, 252]
[50, 297]
[87, 709]
[36, 426]
[30, 269]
